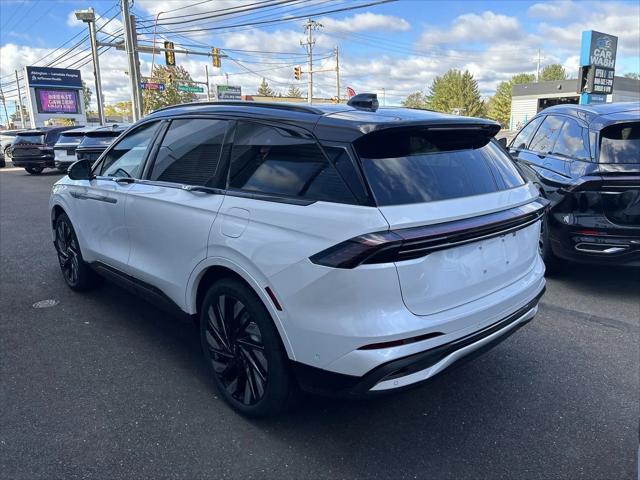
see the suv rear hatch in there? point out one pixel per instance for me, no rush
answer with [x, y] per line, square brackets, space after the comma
[28, 144]
[467, 223]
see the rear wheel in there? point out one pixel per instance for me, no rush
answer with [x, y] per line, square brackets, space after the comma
[34, 170]
[243, 350]
[75, 271]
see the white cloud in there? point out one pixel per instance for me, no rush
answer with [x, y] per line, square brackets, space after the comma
[553, 10]
[365, 21]
[474, 28]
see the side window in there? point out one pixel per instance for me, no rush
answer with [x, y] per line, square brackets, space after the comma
[190, 152]
[126, 157]
[546, 136]
[522, 139]
[280, 161]
[573, 141]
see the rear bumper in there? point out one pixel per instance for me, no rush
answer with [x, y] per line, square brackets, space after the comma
[41, 161]
[419, 367]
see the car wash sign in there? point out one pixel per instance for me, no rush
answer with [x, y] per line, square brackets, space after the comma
[597, 66]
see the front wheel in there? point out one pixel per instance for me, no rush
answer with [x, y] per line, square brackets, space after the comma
[34, 170]
[243, 350]
[75, 271]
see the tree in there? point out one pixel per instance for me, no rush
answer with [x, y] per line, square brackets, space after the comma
[456, 92]
[170, 76]
[119, 109]
[86, 96]
[499, 105]
[264, 90]
[553, 72]
[294, 92]
[635, 76]
[415, 100]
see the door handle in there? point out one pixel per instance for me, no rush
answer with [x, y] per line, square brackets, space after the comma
[124, 180]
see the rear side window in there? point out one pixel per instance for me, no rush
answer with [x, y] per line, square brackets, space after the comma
[190, 152]
[620, 143]
[283, 161]
[126, 157]
[406, 166]
[573, 141]
[522, 139]
[546, 136]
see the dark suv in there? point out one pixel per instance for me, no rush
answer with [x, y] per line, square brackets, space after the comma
[586, 161]
[97, 140]
[33, 149]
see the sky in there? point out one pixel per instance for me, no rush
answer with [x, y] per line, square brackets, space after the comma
[392, 49]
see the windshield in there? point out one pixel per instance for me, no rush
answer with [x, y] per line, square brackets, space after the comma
[413, 166]
[29, 138]
[102, 140]
[620, 143]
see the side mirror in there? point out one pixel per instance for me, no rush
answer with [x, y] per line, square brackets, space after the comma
[80, 170]
[503, 141]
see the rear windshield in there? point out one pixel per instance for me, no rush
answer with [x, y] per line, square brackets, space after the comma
[71, 138]
[102, 140]
[620, 143]
[29, 138]
[413, 166]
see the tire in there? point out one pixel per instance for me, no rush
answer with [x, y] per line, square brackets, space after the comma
[34, 170]
[243, 350]
[3, 162]
[552, 263]
[77, 274]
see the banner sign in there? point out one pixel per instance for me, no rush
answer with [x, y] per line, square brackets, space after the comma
[53, 77]
[152, 86]
[190, 89]
[57, 101]
[228, 92]
[597, 66]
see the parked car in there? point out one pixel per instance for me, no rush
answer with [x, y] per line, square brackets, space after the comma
[586, 160]
[64, 151]
[33, 149]
[6, 137]
[97, 140]
[350, 250]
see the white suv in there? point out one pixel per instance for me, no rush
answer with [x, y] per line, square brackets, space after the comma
[343, 249]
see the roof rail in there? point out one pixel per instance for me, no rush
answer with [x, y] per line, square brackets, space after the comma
[292, 107]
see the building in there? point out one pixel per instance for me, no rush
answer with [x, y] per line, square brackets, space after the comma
[529, 98]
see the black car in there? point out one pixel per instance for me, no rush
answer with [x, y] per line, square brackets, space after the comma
[97, 140]
[33, 149]
[585, 159]
[65, 148]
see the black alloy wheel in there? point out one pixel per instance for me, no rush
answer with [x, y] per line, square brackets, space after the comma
[243, 350]
[75, 271]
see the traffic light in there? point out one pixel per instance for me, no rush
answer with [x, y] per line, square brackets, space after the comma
[215, 54]
[169, 56]
[170, 78]
[297, 73]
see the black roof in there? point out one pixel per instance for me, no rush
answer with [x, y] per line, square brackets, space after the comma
[601, 115]
[45, 130]
[336, 122]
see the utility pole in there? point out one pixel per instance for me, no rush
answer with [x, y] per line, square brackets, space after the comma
[20, 101]
[129, 45]
[538, 68]
[337, 75]
[4, 104]
[89, 17]
[308, 28]
[206, 72]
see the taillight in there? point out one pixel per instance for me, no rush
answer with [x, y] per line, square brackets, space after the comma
[416, 242]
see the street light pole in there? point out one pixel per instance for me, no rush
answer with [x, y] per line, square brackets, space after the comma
[129, 46]
[153, 55]
[20, 101]
[88, 16]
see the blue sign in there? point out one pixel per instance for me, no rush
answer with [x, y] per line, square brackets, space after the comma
[53, 77]
[597, 62]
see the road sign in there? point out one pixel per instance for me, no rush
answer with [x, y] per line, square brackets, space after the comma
[228, 92]
[190, 89]
[152, 86]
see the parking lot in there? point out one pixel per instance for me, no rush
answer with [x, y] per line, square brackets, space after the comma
[103, 385]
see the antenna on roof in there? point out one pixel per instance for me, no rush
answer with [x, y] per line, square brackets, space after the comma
[364, 101]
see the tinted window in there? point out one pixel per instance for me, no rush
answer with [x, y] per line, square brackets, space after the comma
[29, 138]
[52, 137]
[546, 136]
[190, 152]
[412, 166]
[573, 141]
[281, 161]
[126, 157]
[522, 139]
[620, 143]
[70, 138]
[102, 140]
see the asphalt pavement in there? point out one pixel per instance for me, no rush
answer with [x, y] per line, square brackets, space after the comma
[104, 386]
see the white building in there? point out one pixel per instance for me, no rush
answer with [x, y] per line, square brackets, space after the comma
[530, 98]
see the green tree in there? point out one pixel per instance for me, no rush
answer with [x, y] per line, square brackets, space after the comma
[265, 90]
[553, 72]
[170, 76]
[119, 109]
[634, 75]
[294, 92]
[454, 92]
[499, 105]
[86, 96]
[415, 100]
